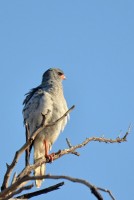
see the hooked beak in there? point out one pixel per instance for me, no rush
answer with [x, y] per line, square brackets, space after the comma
[63, 77]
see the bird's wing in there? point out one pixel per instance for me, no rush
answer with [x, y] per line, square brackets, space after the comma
[37, 102]
[30, 94]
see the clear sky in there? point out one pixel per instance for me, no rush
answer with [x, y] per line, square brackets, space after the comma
[93, 42]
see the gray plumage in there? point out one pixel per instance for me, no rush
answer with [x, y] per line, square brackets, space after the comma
[48, 99]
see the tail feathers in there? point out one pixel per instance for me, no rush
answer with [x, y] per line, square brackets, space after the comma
[39, 153]
[39, 171]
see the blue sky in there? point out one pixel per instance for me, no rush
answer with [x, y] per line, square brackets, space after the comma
[93, 43]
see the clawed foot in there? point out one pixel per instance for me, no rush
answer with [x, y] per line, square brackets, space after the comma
[50, 157]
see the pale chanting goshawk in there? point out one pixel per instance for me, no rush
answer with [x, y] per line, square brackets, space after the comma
[47, 99]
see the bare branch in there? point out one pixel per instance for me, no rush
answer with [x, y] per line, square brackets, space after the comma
[19, 182]
[14, 178]
[61, 153]
[69, 145]
[92, 188]
[26, 145]
[108, 191]
[129, 130]
[60, 119]
[17, 155]
[28, 187]
[40, 192]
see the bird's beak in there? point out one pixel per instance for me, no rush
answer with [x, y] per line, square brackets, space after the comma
[63, 77]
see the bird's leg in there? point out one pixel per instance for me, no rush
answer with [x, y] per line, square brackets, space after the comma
[47, 155]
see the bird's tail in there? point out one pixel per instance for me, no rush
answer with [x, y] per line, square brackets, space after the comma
[39, 171]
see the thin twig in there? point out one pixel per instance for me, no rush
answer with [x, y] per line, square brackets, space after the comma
[61, 118]
[14, 178]
[40, 192]
[129, 130]
[108, 191]
[69, 145]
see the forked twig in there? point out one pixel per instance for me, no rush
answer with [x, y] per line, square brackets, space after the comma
[108, 191]
[69, 145]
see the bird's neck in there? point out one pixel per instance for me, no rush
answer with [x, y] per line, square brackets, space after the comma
[54, 87]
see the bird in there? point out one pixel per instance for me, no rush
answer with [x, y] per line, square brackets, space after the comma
[47, 100]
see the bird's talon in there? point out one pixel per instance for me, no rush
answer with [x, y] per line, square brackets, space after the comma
[50, 157]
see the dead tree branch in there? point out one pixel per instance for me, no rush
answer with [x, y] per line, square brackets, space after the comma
[28, 187]
[94, 190]
[61, 153]
[108, 191]
[18, 183]
[69, 145]
[27, 170]
[40, 192]
[26, 145]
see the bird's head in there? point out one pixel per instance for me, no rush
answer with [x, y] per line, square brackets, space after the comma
[53, 74]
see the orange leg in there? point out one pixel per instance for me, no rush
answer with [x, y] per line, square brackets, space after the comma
[47, 155]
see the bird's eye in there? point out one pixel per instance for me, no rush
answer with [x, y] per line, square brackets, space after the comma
[60, 74]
